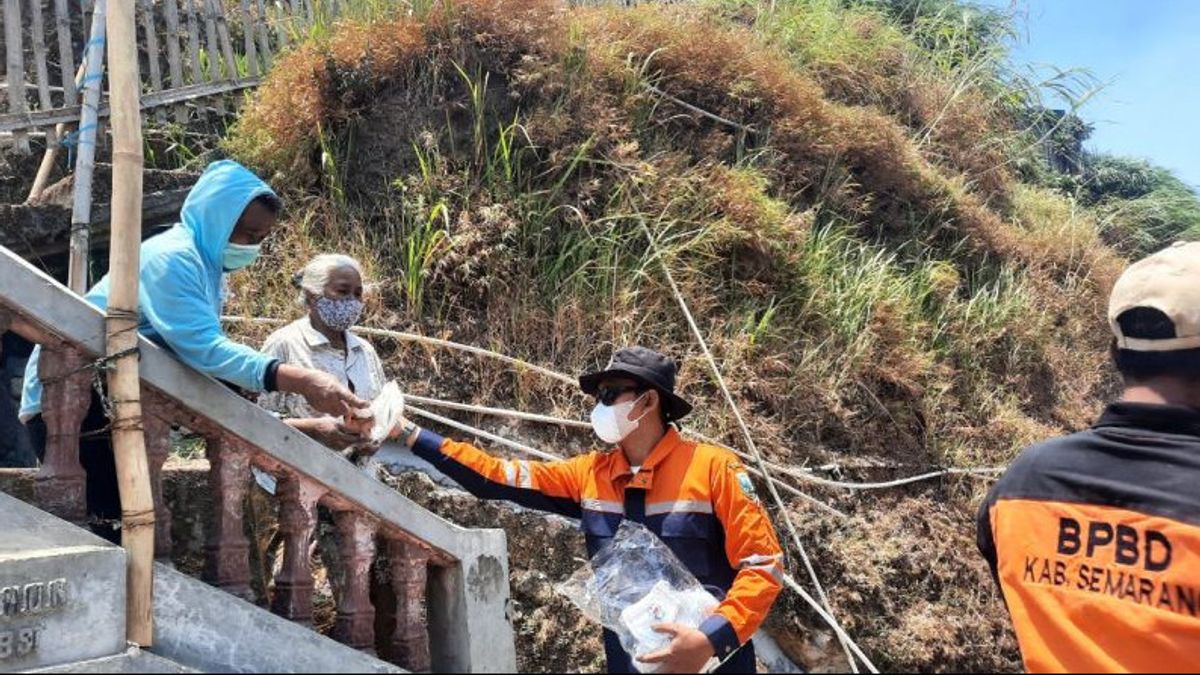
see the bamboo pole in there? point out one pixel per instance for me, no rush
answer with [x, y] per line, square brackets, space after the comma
[85, 156]
[174, 60]
[151, 33]
[121, 322]
[15, 62]
[66, 53]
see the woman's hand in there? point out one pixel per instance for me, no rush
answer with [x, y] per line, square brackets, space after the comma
[328, 431]
[320, 389]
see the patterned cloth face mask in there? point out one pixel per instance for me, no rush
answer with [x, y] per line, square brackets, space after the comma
[339, 313]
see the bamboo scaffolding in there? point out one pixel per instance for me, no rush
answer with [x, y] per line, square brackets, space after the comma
[85, 157]
[15, 62]
[174, 58]
[129, 443]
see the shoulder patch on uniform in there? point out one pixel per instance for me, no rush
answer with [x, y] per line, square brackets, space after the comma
[743, 480]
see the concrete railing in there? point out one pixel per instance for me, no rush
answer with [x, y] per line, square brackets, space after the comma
[449, 584]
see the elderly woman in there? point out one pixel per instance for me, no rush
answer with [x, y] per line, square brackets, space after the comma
[331, 289]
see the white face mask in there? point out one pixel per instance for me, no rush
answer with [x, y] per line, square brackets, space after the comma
[611, 422]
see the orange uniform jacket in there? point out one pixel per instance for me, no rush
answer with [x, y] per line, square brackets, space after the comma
[696, 498]
[1095, 542]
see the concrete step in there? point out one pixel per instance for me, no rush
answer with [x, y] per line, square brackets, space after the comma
[62, 591]
[134, 660]
[210, 630]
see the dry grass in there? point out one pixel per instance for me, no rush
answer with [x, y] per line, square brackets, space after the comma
[875, 285]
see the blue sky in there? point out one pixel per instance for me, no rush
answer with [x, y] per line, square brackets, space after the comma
[1148, 53]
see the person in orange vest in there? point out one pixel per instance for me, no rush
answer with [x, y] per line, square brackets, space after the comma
[1094, 538]
[697, 498]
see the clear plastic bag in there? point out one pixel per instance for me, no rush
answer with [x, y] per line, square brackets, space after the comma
[635, 583]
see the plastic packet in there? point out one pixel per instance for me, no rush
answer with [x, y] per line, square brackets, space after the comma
[635, 583]
[387, 409]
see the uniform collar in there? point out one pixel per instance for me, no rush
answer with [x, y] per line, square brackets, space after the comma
[621, 467]
[315, 338]
[1168, 419]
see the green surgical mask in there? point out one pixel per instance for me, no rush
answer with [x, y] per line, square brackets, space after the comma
[238, 256]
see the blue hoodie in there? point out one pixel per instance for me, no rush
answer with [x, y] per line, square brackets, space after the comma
[180, 285]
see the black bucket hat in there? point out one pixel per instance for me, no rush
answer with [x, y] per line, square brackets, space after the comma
[646, 367]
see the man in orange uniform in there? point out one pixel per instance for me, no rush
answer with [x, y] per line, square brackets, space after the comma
[1094, 538]
[696, 498]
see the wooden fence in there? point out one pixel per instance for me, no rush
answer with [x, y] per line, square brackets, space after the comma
[195, 55]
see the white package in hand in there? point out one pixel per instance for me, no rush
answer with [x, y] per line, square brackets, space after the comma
[635, 583]
[640, 618]
[387, 409]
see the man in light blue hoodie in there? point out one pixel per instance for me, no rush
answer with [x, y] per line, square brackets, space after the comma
[224, 220]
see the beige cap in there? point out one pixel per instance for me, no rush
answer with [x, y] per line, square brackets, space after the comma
[1168, 281]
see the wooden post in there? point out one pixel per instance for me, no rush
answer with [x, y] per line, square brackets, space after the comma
[38, 27]
[174, 61]
[85, 156]
[66, 53]
[248, 39]
[218, 11]
[264, 37]
[193, 28]
[15, 62]
[212, 49]
[287, 23]
[156, 83]
[124, 386]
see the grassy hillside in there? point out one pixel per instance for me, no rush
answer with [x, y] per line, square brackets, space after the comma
[888, 273]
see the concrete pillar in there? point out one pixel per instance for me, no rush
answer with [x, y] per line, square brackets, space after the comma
[468, 608]
[158, 447]
[66, 396]
[227, 553]
[355, 625]
[297, 522]
[409, 574]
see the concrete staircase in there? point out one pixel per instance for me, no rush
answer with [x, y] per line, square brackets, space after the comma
[62, 590]
[447, 585]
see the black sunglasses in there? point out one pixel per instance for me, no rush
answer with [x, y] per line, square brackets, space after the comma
[609, 395]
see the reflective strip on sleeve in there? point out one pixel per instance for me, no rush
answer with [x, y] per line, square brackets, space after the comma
[603, 506]
[682, 506]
